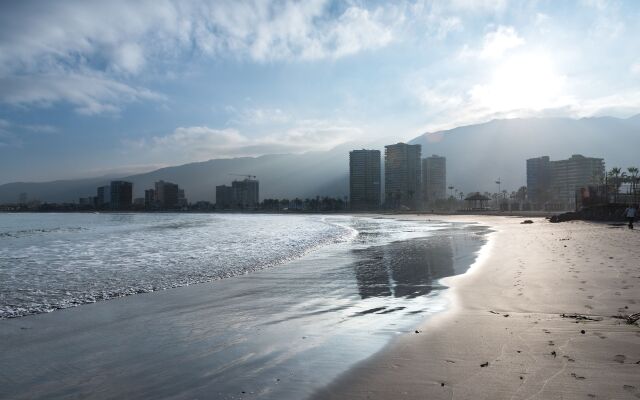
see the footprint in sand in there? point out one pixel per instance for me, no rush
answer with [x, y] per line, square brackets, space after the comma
[588, 306]
[580, 378]
[600, 335]
[619, 358]
[589, 297]
[631, 389]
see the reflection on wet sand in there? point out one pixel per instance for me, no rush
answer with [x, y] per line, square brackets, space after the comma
[404, 269]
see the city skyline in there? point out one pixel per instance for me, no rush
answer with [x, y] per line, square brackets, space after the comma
[120, 88]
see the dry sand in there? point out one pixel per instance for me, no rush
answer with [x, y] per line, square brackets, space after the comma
[505, 336]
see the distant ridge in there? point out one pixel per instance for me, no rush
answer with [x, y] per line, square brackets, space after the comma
[476, 156]
[286, 175]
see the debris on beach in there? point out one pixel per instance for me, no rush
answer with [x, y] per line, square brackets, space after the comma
[580, 317]
[484, 364]
[630, 319]
[527, 221]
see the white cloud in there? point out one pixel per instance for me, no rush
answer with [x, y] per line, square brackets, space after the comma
[203, 143]
[479, 5]
[89, 93]
[448, 25]
[635, 68]
[128, 58]
[607, 19]
[498, 42]
[119, 39]
[257, 116]
[522, 85]
[125, 33]
[475, 106]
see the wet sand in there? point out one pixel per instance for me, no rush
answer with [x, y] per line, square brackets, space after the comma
[279, 333]
[506, 335]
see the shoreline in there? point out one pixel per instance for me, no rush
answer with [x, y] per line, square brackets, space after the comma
[275, 333]
[537, 318]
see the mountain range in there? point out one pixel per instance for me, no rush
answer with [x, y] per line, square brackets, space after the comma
[477, 155]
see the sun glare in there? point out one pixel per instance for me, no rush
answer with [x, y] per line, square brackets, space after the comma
[521, 82]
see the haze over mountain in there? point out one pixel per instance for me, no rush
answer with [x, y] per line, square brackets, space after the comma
[479, 154]
[476, 156]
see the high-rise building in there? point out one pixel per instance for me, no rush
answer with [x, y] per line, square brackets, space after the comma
[538, 181]
[574, 173]
[121, 195]
[166, 194]
[182, 200]
[403, 175]
[103, 196]
[149, 198]
[243, 195]
[224, 197]
[364, 179]
[246, 193]
[434, 178]
[555, 183]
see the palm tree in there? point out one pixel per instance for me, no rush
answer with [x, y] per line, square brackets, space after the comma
[633, 176]
[614, 174]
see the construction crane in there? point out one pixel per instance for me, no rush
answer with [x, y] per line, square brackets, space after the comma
[245, 175]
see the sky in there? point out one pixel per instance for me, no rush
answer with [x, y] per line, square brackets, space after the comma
[89, 88]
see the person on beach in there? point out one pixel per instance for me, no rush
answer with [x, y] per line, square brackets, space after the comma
[630, 213]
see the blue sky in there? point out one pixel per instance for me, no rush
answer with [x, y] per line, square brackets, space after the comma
[89, 88]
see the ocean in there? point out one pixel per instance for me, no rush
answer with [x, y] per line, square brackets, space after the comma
[277, 305]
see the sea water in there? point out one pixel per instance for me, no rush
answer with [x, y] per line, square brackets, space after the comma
[53, 261]
[285, 304]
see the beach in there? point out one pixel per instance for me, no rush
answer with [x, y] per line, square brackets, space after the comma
[537, 317]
